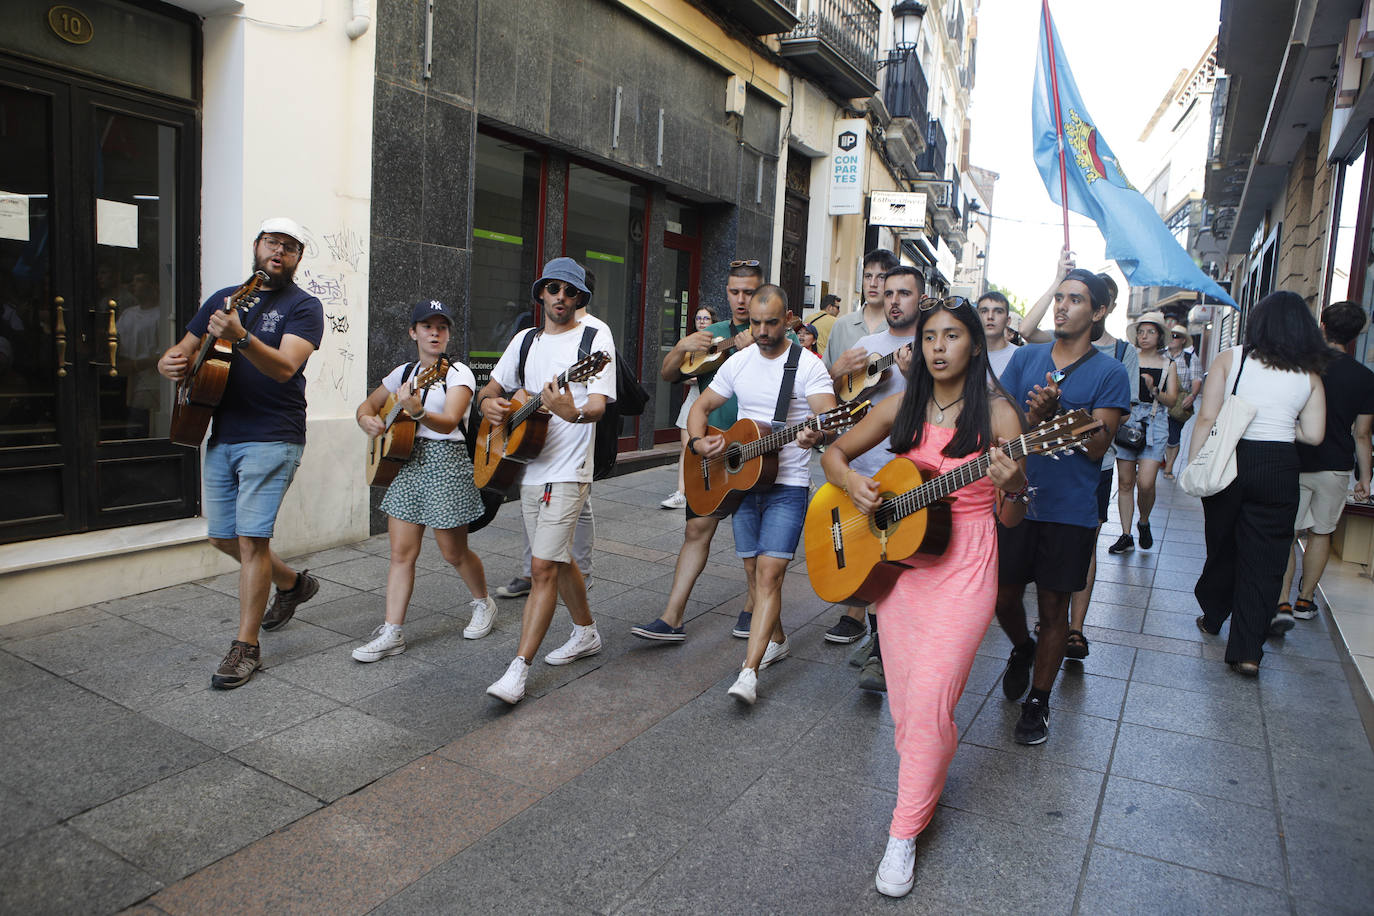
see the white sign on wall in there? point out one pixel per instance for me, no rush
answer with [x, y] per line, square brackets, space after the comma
[898, 209]
[847, 167]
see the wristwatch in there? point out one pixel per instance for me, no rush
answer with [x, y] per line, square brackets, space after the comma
[242, 342]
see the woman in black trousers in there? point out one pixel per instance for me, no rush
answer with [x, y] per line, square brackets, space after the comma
[1249, 525]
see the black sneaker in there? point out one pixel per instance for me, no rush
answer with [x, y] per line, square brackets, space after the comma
[871, 675]
[1016, 679]
[847, 631]
[1147, 540]
[515, 588]
[284, 604]
[238, 666]
[1123, 544]
[661, 631]
[1034, 725]
[742, 625]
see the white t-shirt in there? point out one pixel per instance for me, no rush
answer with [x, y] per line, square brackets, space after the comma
[567, 453]
[1000, 358]
[882, 343]
[756, 380]
[435, 397]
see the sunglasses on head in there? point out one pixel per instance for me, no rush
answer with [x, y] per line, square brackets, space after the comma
[749, 263]
[553, 287]
[949, 302]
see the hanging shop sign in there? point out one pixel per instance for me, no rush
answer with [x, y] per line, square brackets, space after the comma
[847, 167]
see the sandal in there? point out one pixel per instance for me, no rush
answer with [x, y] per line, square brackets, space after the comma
[1076, 646]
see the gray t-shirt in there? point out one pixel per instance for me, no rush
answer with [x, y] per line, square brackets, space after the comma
[1130, 358]
[882, 343]
[1000, 358]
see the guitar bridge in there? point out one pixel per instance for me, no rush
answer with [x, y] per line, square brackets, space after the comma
[837, 537]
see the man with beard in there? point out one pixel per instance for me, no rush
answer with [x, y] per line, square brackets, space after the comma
[258, 433]
[555, 484]
[768, 522]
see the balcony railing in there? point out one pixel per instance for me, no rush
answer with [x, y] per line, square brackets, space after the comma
[837, 43]
[905, 90]
[932, 161]
[762, 17]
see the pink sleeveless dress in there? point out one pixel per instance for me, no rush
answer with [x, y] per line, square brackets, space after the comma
[931, 625]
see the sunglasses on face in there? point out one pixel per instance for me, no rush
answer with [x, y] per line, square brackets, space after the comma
[749, 263]
[949, 302]
[275, 245]
[554, 287]
[1178, 336]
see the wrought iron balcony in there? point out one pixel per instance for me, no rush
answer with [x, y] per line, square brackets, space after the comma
[836, 43]
[761, 17]
[905, 90]
[931, 164]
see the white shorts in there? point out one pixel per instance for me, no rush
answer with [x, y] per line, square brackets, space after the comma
[693, 392]
[1321, 499]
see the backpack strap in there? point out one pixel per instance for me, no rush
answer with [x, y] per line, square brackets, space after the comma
[1120, 349]
[525, 346]
[584, 349]
[789, 379]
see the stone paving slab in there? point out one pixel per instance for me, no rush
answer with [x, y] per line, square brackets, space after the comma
[630, 783]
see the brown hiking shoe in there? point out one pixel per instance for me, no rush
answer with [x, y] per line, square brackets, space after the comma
[284, 603]
[238, 666]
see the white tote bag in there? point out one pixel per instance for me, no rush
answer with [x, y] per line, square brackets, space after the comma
[1215, 465]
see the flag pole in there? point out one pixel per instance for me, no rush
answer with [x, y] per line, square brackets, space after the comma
[1058, 119]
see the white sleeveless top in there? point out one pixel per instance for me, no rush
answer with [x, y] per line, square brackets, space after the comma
[1278, 397]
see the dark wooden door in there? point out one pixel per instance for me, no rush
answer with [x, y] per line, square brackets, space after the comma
[98, 272]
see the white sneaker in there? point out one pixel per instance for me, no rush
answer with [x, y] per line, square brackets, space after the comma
[897, 871]
[746, 686]
[483, 618]
[775, 652]
[584, 641]
[676, 501]
[511, 687]
[386, 640]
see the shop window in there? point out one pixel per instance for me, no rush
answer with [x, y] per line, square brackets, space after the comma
[505, 246]
[605, 234]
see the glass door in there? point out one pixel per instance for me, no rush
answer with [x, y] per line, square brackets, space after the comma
[97, 200]
[676, 305]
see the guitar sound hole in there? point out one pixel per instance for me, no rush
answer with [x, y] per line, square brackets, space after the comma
[732, 460]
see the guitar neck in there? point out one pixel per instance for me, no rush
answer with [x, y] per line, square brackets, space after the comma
[533, 404]
[777, 439]
[937, 488]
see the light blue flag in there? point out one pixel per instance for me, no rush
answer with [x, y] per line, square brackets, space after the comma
[1136, 237]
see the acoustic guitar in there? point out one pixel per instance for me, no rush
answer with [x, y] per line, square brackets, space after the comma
[388, 452]
[716, 486]
[694, 364]
[202, 388]
[852, 386]
[855, 559]
[502, 449]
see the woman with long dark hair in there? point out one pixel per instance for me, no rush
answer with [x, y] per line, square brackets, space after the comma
[935, 616]
[1250, 523]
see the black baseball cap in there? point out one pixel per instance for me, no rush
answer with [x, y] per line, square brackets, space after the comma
[430, 308]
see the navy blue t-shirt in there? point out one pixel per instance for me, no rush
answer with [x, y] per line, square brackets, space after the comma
[1066, 489]
[254, 407]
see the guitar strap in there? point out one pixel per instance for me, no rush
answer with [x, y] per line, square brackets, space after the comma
[789, 380]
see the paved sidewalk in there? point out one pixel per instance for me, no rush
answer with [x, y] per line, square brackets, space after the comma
[629, 782]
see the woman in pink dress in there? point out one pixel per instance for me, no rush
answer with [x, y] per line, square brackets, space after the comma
[935, 616]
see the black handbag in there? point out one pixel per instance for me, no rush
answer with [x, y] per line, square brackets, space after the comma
[1131, 436]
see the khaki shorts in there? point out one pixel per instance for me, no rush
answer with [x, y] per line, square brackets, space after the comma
[1321, 499]
[550, 523]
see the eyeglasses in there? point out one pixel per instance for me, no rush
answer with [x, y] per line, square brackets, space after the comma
[1178, 336]
[750, 263]
[949, 302]
[553, 288]
[272, 244]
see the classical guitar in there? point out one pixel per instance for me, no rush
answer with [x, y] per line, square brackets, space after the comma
[388, 452]
[694, 364]
[854, 558]
[202, 388]
[715, 486]
[502, 449]
[853, 385]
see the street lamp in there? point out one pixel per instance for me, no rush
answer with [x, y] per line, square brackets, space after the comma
[906, 25]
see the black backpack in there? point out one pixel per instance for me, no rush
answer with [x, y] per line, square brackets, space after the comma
[630, 401]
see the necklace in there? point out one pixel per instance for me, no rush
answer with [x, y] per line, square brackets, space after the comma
[940, 417]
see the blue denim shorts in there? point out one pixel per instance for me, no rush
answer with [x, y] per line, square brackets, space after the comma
[245, 483]
[769, 522]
